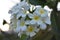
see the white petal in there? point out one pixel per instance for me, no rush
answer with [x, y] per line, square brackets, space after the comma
[32, 22]
[24, 5]
[43, 26]
[27, 33]
[17, 29]
[27, 22]
[18, 23]
[19, 34]
[32, 34]
[44, 15]
[23, 28]
[39, 22]
[24, 15]
[30, 15]
[15, 12]
[38, 7]
[36, 30]
[11, 16]
[36, 12]
[47, 21]
[18, 15]
[26, 8]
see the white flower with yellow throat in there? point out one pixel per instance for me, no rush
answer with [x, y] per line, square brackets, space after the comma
[32, 30]
[21, 26]
[35, 19]
[41, 11]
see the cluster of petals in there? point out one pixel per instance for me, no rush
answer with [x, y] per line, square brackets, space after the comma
[22, 21]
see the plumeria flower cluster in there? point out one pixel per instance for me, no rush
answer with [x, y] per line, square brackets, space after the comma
[25, 22]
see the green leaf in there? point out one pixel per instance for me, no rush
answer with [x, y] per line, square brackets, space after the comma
[51, 4]
[23, 37]
[37, 2]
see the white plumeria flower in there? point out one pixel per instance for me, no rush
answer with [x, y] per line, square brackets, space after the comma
[35, 19]
[45, 21]
[31, 30]
[21, 25]
[41, 11]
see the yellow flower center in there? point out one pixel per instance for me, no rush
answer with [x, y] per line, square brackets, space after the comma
[41, 11]
[30, 29]
[22, 23]
[36, 17]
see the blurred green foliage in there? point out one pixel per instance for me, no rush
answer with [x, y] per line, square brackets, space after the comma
[23, 37]
[37, 2]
